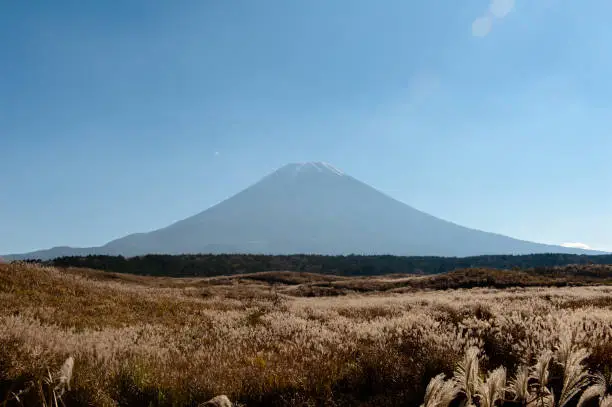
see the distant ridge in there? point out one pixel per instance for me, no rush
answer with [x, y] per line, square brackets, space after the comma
[312, 207]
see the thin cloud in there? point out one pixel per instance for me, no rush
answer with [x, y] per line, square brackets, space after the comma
[497, 9]
[217, 153]
[422, 87]
[577, 245]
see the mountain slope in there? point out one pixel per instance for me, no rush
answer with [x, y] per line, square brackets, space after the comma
[313, 208]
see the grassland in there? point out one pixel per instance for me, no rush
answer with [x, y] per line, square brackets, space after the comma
[295, 339]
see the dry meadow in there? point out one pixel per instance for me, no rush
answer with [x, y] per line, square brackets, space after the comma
[80, 337]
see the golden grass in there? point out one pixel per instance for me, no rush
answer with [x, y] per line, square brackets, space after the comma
[161, 341]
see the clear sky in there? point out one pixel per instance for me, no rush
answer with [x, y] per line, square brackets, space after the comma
[124, 116]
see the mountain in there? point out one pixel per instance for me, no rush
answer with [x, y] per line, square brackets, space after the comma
[312, 208]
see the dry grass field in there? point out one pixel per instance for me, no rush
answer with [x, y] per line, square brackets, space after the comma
[82, 337]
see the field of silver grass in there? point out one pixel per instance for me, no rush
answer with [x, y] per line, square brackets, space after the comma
[134, 343]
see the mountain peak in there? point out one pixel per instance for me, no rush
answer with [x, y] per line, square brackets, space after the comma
[310, 167]
[311, 207]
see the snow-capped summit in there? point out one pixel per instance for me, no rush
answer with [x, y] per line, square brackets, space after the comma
[311, 166]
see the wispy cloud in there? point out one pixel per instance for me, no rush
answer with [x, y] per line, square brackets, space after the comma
[577, 245]
[422, 87]
[497, 9]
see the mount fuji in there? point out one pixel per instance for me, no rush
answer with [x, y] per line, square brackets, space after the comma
[311, 208]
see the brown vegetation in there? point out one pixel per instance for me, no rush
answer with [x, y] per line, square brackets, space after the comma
[465, 278]
[160, 341]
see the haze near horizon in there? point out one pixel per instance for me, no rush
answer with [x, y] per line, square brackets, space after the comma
[123, 117]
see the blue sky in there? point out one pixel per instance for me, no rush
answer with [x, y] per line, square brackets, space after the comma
[124, 116]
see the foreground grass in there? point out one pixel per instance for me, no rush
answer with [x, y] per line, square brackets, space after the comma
[144, 341]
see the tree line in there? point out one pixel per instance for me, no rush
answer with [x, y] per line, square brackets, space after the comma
[208, 265]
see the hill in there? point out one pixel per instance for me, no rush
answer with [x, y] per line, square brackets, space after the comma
[311, 208]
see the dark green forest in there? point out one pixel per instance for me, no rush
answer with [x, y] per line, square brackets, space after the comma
[206, 265]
